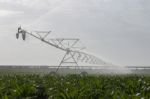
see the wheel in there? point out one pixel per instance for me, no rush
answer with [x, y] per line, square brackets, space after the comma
[53, 73]
[17, 35]
[23, 36]
[84, 73]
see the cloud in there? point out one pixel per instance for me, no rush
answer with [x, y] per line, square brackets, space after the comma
[8, 12]
[115, 30]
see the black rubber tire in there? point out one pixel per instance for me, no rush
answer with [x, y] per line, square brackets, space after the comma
[23, 36]
[17, 35]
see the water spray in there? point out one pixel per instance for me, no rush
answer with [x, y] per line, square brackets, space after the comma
[73, 54]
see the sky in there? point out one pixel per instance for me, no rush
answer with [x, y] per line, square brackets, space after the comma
[116, 31]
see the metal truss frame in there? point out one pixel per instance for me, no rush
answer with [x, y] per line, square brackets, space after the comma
[72, 52]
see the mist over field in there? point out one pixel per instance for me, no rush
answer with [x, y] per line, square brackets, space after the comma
[113, 65]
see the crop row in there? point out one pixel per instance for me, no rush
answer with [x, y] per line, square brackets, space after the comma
[54, 86]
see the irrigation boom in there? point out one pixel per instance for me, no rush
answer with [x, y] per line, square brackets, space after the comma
[73, 53]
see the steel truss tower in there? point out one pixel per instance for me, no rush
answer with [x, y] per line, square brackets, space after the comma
[73, 54]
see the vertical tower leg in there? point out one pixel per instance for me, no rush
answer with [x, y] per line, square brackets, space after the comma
[68, 59]
[61, 61]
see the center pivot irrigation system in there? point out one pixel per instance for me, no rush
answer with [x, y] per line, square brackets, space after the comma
[73, 54]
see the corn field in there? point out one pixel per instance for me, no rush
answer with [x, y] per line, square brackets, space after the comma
[74, 86]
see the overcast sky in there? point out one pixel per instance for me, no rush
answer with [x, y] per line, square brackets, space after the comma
[117, 31]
